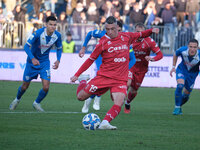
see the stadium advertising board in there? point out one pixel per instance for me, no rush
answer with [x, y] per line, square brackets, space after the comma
[12, 64]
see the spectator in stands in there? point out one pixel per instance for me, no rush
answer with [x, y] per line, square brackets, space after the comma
[192, 7]
[159, 7]
[99, 4]
[62, 19]
[70, 7]
[76, 16]
[180, 11]
[126, 10]
[50, 5]
[19, 16]
[93, 13]
[102, 22]
[184, 35]
[118, 5]
[150, 12]
[83, 18]
[69, 44]
[136, 15]
[85, 3]
[48, 13]
[167, 16]
[37, 6]
[108, 8]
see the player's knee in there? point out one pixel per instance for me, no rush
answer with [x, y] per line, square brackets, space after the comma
[180, 87]
[46, 88]
[80, 98]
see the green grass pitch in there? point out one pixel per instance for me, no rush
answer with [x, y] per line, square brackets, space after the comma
[150, 125]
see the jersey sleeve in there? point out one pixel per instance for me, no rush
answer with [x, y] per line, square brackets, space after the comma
[32, 38]
[136, 35]
[59, 42]
[98, 33]
[153, 46]
[179, 51]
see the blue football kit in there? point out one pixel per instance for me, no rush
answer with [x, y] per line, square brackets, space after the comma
[38, 46]
[188, 69]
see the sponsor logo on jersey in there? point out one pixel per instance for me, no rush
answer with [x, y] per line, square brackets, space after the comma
[122, 38]
[109, 42]
[123, 47]
[123, 87]
[120, 59]
[180, 75]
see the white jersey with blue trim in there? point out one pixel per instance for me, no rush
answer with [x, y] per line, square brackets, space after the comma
[41, 44]
[191, 64]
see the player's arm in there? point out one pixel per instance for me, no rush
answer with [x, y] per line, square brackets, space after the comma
[175, 58]
[154, 47]
[132, 60]
[87, 39]
[58, 52]
[97, 51]
[27, 49]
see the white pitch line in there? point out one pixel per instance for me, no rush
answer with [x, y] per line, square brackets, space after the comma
[35, 112]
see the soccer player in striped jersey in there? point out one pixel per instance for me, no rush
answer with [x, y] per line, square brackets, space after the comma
[38, 47]
[186, 73]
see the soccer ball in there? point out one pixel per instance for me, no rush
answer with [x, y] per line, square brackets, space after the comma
[91, 121]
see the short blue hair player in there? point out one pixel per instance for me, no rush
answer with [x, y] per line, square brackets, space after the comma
[186, 73]
[38, 47]
[98, 34]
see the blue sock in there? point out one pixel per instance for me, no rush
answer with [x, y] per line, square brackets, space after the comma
[20, 92]
[185, 98]
[41, 96]
[178, 94]
[92, 96]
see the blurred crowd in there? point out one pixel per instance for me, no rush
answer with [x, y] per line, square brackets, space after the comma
[172, 14]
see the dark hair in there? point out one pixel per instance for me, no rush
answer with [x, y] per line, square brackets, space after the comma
[193, 41]
[69, 33]
[111, 20]
[52, 18]
[141, 25]
[120, 24]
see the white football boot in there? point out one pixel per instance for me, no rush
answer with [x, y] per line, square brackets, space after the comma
[83, 77]
[86, 105]
[96, 104]
[14, 104]
[105, 125]
[38, 107]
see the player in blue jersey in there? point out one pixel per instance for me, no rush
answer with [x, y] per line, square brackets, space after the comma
[37, 48]
[98, 61]
[186, 73]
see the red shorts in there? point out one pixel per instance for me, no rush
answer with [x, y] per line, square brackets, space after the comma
[100, 85]
[137, 79]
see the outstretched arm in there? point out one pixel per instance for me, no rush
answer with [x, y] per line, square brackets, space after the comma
[175, 58]
[83, 68]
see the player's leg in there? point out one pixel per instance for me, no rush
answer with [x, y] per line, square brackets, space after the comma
[86, 105]
[131, 95]
[178, 96]
[185, 96]
[41, 95]
[118, 99]
[21, 90]
[96, 104]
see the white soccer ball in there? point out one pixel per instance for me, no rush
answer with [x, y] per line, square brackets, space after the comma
[91, 121]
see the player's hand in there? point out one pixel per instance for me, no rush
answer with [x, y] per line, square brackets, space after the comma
[155, 30]
[74, 78]
[56, 64]
[148, 58]
[35, 62]
[172, 70]
[82, 52]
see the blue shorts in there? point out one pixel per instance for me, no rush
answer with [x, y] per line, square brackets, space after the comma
[31, 72]
[188, 77]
